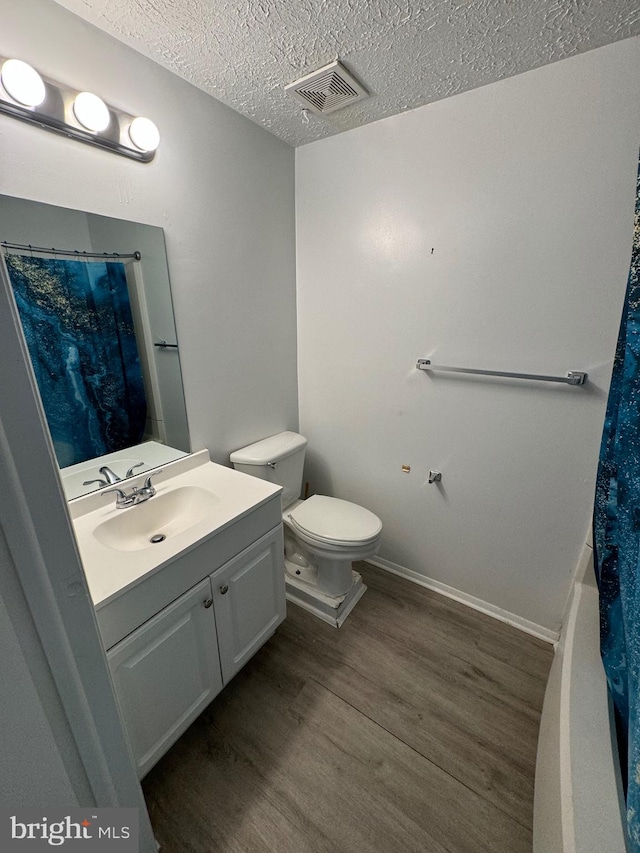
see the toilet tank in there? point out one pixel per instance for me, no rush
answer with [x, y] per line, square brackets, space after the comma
[278, 459]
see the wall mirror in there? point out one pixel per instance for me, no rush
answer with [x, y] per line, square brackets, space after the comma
[94, 298]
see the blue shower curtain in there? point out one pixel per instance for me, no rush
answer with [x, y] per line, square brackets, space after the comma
[78, 326]
[617, 540]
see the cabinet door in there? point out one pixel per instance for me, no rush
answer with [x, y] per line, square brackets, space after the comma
[166, 672]
[249, 600]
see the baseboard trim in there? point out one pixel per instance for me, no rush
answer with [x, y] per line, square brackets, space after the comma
[512, 619]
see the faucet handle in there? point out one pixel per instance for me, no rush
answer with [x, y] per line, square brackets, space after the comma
[101, 483]
[130, 471]
[147, 482]
[122, 499]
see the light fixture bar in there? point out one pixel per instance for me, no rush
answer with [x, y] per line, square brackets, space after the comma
[56, 114]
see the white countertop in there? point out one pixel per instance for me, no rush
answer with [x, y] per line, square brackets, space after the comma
[110, 572]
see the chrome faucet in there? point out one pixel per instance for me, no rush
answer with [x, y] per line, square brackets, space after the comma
[136, 495]
[109, 477]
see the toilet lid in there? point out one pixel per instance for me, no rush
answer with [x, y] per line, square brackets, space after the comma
[334, 520]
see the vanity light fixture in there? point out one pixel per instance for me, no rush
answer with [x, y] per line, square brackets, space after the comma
[30, 97]
[144, 134]
[23, 83]
[91, 111]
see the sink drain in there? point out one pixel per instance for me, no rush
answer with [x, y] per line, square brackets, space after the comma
[158, 537]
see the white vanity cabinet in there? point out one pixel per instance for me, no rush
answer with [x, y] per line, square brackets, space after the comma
[168, 670]
[249, 601]
[187, 585]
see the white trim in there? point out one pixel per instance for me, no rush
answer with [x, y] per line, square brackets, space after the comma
[512, 619]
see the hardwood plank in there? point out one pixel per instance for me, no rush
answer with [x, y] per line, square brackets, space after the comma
[454, 622]
[358, 786]
[448, 813]
[473, 715]
[432, 707]
[420, 633]
[208, 797]
[413, 727]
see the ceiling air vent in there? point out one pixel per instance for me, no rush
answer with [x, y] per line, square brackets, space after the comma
[327, 89]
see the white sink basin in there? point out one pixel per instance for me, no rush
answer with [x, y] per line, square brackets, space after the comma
[155, 521]
[195, 499]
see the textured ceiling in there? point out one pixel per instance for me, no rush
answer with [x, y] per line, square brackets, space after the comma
[243, 52]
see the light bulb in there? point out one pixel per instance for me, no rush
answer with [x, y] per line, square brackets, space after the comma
[23, 83]
[144, 134]
[91, 111]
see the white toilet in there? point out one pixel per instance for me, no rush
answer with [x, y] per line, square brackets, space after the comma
[322, 535]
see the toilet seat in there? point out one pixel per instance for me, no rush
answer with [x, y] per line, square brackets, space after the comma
[334, 521]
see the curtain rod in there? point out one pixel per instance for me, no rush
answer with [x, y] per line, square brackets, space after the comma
[72, 253]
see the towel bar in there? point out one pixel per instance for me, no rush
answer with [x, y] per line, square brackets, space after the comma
[573, 377]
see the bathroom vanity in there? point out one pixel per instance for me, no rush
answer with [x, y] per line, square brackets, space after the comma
[179, 616]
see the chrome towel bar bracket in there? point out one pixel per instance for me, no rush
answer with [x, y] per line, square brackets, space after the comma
[573, 377]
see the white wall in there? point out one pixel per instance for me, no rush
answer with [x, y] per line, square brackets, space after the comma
[33, 765]
[221, 187]
[492, 229]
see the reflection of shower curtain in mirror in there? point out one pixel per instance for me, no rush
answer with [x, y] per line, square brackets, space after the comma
[78, 326]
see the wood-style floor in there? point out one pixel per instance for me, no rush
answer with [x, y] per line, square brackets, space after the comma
[412, 728]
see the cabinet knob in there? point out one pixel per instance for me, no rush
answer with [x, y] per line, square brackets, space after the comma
[208, 602]
[224, 589]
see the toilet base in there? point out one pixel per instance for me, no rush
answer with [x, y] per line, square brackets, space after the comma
[331, 610]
